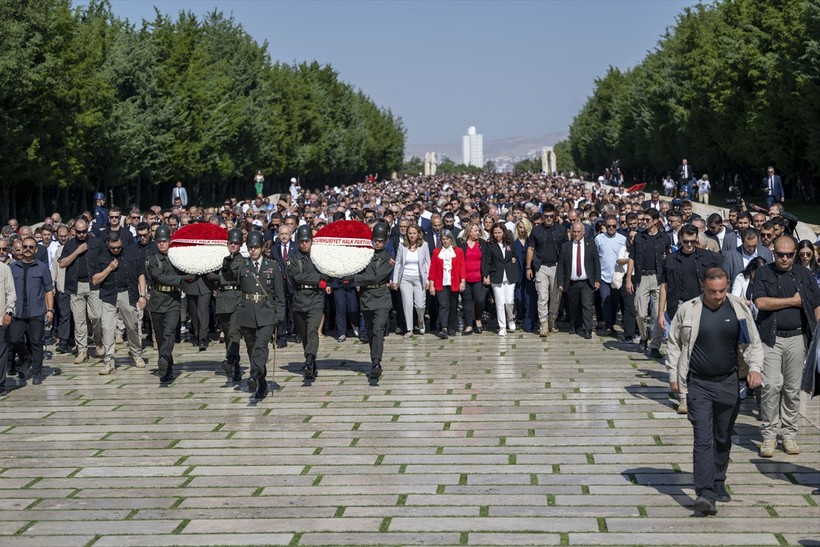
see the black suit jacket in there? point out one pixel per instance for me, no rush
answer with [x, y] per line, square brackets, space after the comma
[276, 254]
[592, 263]
[501, 264]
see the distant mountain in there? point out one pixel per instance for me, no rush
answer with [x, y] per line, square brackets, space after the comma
[515, 147]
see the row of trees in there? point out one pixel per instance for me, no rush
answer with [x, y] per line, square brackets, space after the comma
[89, 102]
[733, 87]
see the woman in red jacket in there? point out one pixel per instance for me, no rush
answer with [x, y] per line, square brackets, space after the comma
[447, 279]
[477, 273]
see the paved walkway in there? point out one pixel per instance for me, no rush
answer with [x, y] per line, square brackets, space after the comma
[470, 441]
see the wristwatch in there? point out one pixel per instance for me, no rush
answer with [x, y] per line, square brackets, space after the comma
[49, 310]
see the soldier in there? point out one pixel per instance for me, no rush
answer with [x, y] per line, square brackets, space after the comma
[262, 307]
[374, 297]
[308, 300]
[164, 303]
[227, 302]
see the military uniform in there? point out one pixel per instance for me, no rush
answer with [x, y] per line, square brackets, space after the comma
[228, 297]
[164, 307]
[375, 303]
[260, 310]
[308, 306]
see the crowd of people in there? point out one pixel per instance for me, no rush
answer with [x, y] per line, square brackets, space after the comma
[495, 252]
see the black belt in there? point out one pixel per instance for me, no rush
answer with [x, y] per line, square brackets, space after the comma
[82, 280]
[649, 272]
[224, 288]
[166, 288]
[305, 287]
[579, 280]
[718, 378]
[550, 264]
[376, 286]
[789, 333]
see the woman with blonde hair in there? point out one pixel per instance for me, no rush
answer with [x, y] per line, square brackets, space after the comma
[525, 297]
[410, 277]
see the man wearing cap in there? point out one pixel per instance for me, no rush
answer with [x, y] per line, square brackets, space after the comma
[198, 296]
[374, 297]
[228, 298]
[164, 303]
[308, 299]
[261, 309]
[100, 212]
[121, 279]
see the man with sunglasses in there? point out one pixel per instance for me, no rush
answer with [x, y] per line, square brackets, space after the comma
[788, 300]
[35, 299]
[541, 262]
[8, 303]
[609, 245]
[77, 260]
[62, 320]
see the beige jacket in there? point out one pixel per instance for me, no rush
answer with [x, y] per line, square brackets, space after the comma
[57, 273]
[684, 331]
[8, 294]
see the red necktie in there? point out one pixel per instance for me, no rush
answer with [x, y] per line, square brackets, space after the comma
[284, 253]
[578, 260]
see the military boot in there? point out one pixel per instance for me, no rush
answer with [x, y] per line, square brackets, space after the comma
[262, 389]
[308, 369]
[237, 373]
[376, 369]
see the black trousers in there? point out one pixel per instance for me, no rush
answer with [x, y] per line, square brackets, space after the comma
[4, 356]
[63, 320]
[376, 322]
[199, 311]
[165, 325]
[713, 408]
[257, 341]
[230, 328]
[34, 329]
[473, 299]
[580, 298]
[347, 308]
[447, 308]
[287, 325]
[630, 315]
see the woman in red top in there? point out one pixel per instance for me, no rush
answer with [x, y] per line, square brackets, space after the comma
[477, 273]
[446, 282]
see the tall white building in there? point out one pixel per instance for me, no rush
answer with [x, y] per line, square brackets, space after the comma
[472, 148]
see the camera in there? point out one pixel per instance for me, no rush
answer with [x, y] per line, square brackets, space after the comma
[737, 199]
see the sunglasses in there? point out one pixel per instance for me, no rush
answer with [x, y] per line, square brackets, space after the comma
[611, 225]
[785, 255]
[808, 254]
[29, 246]
[112, 217]
[80, 231]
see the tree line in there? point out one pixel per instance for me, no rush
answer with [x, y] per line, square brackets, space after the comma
[733, 87]
[89, 102]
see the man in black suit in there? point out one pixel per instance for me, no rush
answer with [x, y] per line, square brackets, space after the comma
[279, 251]
[735, 261]
[579, 275]
[433, 236]
[772, 188]
[685, 175]
[654, 202]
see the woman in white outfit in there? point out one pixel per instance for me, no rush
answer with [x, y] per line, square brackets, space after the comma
[410, 277]
[503, 277]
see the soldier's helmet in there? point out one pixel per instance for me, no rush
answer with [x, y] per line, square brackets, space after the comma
[254, 239]
[380, 231]
[235, 236]
[163, 233]
[304, 233]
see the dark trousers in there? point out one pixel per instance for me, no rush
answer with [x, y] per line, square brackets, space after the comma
[376, 322]
[447, 308]
[526, 304]
[34, 329]
[610, 302]
[287, 325]
[4, 357]
[401, 324]
[65, 331]
[199, 312]
[347, 308]
[713, 408]
[257, 340]
[579, 305]
[473, 299]
[230, 328]
[307, 327]
[630, 314]
[165, 325]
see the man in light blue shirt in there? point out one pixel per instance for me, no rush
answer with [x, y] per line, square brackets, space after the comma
[609, 245]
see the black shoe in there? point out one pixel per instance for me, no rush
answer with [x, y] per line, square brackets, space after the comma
[642, 345]
[37, 379]
[451, 332]
[587, 334]
[314, 367]
[309, 368]
[203, 345]
[442, 334]
[253, 381]
[282, 343]
[467, 332]
[227, 367]
[262, 390]
[722, 495]
[479, 330]
[705, 506]
[168, 377]
[163, 368]
[62, 347]
[611, 332]
[237, 373]
[375, 370]
[3, 392]
[25, 369]
[655, 353]
[177, 340]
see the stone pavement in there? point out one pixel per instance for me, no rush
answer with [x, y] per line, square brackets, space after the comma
[470, 441]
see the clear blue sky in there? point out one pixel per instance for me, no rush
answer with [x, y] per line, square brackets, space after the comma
[512, 69]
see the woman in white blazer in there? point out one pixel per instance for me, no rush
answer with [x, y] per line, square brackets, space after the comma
[410, 276]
